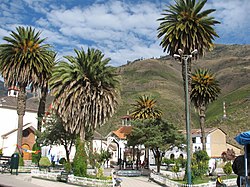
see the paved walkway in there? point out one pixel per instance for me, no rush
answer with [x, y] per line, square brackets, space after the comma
[25, 180]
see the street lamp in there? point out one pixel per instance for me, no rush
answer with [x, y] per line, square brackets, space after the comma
[185, 57]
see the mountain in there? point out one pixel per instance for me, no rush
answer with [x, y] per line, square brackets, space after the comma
[161, 78]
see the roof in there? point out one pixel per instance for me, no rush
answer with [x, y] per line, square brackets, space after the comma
[123, 131]
[28, 125]
[126, 117]
[197, 132]
[31, 103]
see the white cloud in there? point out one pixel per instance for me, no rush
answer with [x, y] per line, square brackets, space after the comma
[121, 29]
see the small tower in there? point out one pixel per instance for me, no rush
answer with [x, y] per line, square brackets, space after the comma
[224, 110]
[13, 92]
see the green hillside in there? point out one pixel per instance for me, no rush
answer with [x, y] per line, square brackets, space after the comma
[162, 79]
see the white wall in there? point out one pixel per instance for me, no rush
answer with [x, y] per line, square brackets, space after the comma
[9, 122]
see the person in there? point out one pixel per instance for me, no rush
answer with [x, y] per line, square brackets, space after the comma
[219, 182]
[239, 165]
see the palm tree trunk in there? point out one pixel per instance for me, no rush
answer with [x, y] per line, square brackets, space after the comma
[82, 135]
[41, 108]
[21, 106]
[202, 126]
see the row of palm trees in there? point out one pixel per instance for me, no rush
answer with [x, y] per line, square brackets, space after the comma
[85, 88]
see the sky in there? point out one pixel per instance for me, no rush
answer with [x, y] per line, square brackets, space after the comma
[124, 30]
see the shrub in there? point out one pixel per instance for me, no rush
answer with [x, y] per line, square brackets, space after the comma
[67, 167]
[62, 161]
[227, 168]
[199, 164]
[20, 161]
[44, 162]
[80, 160]
[36, 156]
[1, 151]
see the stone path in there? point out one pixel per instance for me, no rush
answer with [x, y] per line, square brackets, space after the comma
[137, 181]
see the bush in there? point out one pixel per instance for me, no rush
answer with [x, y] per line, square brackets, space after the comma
[67, 167]
[80, 160]
[20, 161]
[1, 151]
[44, 162]
[199, 164]
[228, 168]
[36, 156]
[62, 161]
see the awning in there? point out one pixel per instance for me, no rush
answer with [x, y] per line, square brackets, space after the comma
[243, 138]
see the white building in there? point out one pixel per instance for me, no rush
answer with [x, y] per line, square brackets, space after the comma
[9, 125]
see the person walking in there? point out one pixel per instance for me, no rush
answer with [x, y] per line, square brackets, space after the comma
[239, 165]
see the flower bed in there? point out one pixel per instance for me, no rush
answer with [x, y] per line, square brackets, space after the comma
[71, 179]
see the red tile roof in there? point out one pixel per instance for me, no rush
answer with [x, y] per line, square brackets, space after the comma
[123, 131]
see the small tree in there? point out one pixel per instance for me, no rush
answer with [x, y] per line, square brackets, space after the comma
[152, 134]
[176, 168]
[228, 155]
[55, 134]
[199, 164]
[80, 160]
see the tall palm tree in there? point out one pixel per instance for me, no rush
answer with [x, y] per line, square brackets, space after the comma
[205, 89]
[85, 91]
[145, 108]
[22, 60]
[185, 26]
[44, 88]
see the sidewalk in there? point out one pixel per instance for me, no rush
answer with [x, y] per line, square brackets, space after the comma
[25, 180]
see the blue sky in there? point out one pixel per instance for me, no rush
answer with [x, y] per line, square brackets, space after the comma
[123, 30]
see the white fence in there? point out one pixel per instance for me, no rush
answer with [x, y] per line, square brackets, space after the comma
[165, 181]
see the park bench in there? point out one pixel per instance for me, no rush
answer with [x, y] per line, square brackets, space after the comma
[5, 163]
[63, 176]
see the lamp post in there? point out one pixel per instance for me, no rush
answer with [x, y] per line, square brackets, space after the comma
[185, 58]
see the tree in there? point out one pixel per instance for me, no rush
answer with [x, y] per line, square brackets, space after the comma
[228, 155]
[145, 108]
[85, 91]
[22, 61]
[205, 89]
[199, 164]
[184, 26]
[55, 134]
[44, 92]
[157, 135]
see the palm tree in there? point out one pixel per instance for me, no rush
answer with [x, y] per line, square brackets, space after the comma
[85, 91]
[185, 26]
[145, 108]
[22, 61]
[205, 89]
[44, 88]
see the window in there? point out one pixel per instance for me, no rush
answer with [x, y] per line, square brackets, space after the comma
[194, 140]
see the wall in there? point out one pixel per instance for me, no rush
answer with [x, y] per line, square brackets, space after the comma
[218, 143]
